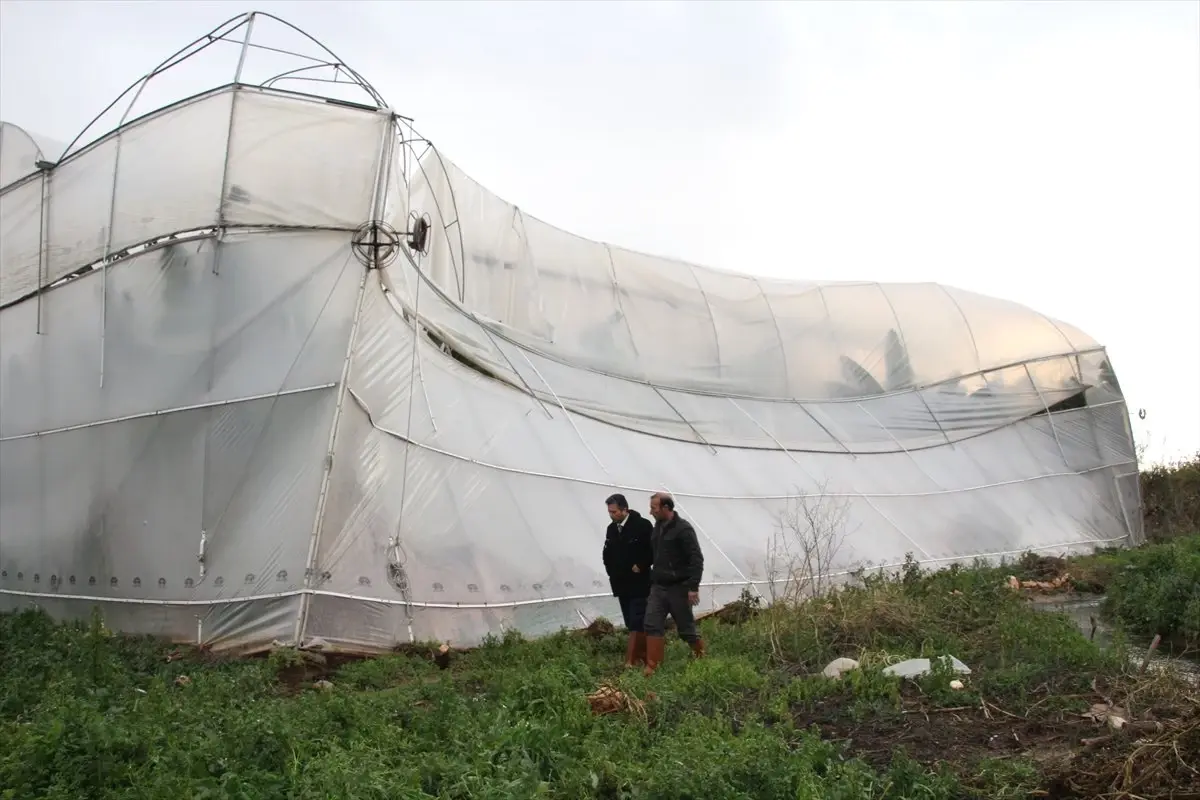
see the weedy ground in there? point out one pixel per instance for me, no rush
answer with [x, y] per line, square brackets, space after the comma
[88, 714]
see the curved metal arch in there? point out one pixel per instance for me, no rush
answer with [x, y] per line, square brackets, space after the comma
[295, 74]
[459, 264]
[408, 143]
[178, 56]
[221, 33]
[359, 79]
[462, 244]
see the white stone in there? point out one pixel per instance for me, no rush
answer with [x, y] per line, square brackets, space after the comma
[835, 668]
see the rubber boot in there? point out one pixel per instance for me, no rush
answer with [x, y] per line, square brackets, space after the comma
[655, 647]
[641, 649]
[698, 648]
[633, 655]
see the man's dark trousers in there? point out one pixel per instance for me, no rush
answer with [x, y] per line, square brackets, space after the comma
[673, 600]
[633, 612]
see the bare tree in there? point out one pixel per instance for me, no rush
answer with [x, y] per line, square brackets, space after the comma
[801, 553]
[809, 534]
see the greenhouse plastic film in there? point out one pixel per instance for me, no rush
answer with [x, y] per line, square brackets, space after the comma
[263, 433]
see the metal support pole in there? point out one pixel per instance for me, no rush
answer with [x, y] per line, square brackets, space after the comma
[43, 247]
[237, 75]
[378, 192]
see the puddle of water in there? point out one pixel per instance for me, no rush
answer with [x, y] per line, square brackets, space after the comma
[1086, 614]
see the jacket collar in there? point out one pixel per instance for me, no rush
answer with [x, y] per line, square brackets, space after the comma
[632, 516]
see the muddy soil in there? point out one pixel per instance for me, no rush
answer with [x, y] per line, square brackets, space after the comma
[1077, 757]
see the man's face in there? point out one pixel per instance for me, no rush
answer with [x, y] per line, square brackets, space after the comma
[617, 515]
[656, 509]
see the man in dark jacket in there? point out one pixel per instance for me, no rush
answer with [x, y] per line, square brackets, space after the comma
[627, 557]
[674, 581]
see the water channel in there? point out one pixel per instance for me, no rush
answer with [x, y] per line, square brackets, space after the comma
[1085, 611]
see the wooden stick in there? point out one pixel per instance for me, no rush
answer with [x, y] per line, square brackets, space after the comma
[1150, 652]
[1008, 713]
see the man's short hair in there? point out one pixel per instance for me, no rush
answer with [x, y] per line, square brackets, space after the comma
[665, 500]
[617, 500]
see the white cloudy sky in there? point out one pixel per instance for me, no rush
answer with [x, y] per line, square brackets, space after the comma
[1047, 153]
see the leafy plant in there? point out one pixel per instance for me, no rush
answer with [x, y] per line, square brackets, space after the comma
[1157, 591]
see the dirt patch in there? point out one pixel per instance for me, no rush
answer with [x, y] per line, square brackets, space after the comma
[1077, 757]
[961, 736]
[443, 655]
[599, 629]
[308, 667]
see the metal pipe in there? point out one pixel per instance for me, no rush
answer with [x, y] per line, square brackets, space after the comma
[237, 75]
[161, 412]
[43, 245]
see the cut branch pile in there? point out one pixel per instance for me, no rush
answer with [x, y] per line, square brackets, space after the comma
[1155, 755]
[608, 699]
[1056, 585]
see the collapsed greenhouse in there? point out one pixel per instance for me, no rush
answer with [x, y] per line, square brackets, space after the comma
[309, 383]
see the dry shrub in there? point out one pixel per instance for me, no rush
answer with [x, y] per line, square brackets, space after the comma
[860, 618]
[804, 547]
[802, 553]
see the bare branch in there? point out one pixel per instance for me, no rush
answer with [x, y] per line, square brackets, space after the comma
[802, 553]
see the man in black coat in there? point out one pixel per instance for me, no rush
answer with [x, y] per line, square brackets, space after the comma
[627, 559]
[675, 581]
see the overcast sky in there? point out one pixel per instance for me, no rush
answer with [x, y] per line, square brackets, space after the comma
[1047, 153]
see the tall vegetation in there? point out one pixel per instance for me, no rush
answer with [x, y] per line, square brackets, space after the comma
[1171, 498]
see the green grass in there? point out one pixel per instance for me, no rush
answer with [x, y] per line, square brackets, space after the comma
[87, 714]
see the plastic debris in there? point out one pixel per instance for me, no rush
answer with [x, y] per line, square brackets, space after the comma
[915, 667]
